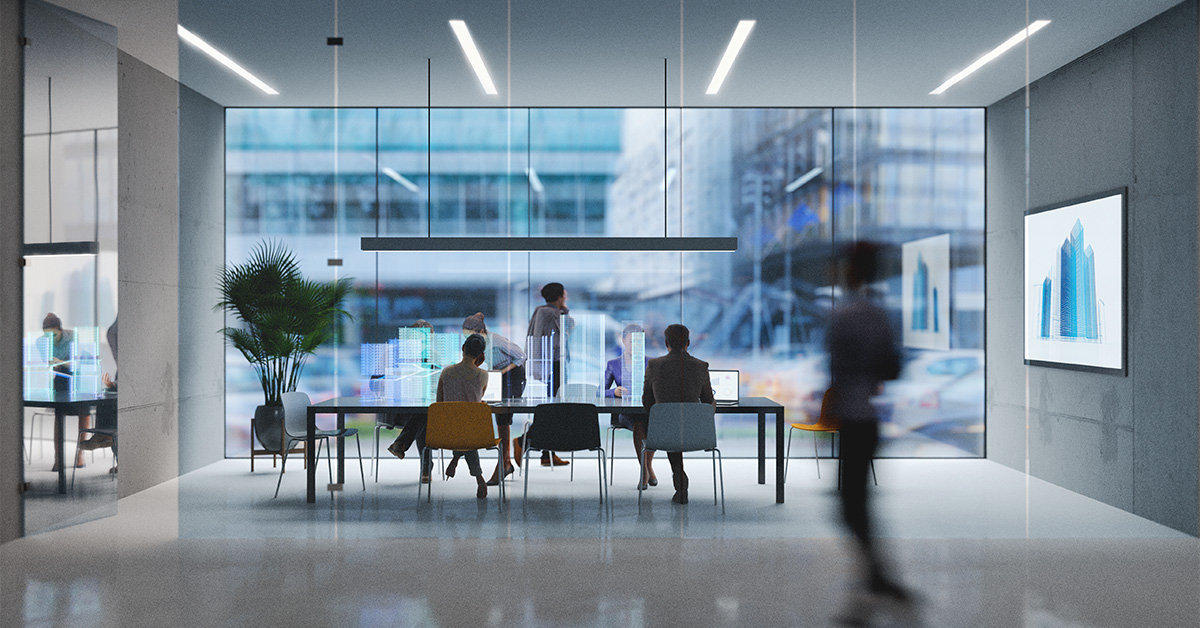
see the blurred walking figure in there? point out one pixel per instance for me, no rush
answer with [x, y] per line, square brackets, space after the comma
[862, 355]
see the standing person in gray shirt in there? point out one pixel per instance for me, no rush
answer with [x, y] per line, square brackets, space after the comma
[545, 328]
[505, 356]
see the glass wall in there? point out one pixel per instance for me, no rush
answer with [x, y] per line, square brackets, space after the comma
[791, 184]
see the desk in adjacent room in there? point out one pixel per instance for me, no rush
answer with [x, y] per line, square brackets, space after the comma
[341, 406]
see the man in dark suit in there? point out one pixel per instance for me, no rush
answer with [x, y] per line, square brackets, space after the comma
[677, 377]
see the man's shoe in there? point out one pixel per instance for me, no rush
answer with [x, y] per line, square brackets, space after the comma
[395, 450]
[680, 497]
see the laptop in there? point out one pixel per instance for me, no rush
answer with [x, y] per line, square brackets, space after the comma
[495, 387]
[725, 386]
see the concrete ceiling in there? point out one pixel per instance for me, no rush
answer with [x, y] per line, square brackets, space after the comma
[802, 53]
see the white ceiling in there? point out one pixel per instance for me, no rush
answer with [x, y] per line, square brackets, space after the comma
[610, 52]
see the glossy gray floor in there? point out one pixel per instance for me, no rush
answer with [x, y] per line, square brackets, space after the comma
[984, 546]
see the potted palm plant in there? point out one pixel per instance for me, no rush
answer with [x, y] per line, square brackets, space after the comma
[280, 318]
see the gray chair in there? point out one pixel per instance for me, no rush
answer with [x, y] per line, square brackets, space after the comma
[681, 427]
[566, 427]
[295, 428]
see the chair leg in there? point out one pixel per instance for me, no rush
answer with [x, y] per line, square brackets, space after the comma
[873, 477]
[362, 475]
[714, 460]
[817, 455]
[721, 463]
[251, 444]
[376, 463]
[78, 442]
[279, 482]
[787, 456]
[572, 466]
[600, 460]
[641, 474]
[612, 434]
[329, 462]
[525, 454]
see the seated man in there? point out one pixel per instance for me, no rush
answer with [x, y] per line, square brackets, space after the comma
[677, 377]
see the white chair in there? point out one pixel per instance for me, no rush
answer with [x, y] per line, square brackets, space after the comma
[295, 428]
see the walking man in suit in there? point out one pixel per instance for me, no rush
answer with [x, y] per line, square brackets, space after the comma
[677, 377]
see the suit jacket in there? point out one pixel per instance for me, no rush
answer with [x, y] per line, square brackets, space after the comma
[676, 377]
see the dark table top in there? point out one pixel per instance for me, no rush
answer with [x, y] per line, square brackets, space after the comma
[611, 405]
[66, 399]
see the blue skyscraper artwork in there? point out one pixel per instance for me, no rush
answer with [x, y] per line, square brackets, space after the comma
[1069, 305]
[920, 308]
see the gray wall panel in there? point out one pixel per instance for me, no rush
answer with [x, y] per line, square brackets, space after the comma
[201, 252]
[1122, 116]
[148, 150]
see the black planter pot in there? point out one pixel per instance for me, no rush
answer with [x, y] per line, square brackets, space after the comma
[268, 426]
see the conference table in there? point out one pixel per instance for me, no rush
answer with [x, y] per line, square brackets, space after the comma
[341, 406]
[67, 404]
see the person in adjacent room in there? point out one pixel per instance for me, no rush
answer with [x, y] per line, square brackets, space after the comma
[60, 359]
[465, 381]
[505, 356]
[862, 355]
[546, 328]
[677, 377]
[617, 383]
[106, 415]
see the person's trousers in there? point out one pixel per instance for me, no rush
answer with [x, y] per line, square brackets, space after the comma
[472, 458]
[677, 475]
[513, 383]
[859, 442]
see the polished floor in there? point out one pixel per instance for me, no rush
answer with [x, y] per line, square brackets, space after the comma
[983, 545]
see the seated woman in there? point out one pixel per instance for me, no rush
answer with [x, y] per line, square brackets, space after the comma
[465, 381]
[618, 374]
[60, 358]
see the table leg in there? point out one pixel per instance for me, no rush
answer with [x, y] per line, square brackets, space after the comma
[60, 438]
[341, 474]
[310, 452]
[779, 456]
[762, 447]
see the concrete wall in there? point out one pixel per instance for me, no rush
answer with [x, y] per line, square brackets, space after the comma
[1122, 116]
[148, 149]
[12, 464]
[201, 253]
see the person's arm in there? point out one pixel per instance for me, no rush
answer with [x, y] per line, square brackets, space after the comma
[441, 396]
[609, 379]
[706, 391]
[483, 380]
[647, 387]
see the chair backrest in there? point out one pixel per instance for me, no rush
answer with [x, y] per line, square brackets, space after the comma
[460, 425]
[682, 427]
[564, 427]
[827, 420]
[295, 413]
[580, 392]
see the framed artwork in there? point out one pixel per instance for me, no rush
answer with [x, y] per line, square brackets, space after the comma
[925, 292]
[1075, 284]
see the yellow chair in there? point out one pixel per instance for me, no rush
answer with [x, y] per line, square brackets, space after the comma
[827, 424]
[459, 426]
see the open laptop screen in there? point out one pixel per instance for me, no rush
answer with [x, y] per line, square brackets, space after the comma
[725, 385]
[495, 388]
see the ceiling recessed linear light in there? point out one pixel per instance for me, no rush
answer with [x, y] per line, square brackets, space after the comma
[731, 52]
[473, 56]
[220, 57]
[991, 56]
[537, 245]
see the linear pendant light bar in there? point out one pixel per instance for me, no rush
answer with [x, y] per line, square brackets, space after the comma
[731, 52]
[87, 247]
[473, 56]
[220, 57]
[991, 56]
[524, 244]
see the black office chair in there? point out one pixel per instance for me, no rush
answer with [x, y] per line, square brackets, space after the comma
[566, 427]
